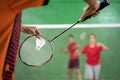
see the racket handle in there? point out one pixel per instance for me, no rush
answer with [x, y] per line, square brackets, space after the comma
[103, 4]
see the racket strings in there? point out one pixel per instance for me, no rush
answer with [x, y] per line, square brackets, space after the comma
[32, 57]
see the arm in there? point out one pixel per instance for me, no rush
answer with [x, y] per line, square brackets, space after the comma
[64, 51]
[83, 51]
[104, 47]
[30, 30]
[79, 54]
[93, 5]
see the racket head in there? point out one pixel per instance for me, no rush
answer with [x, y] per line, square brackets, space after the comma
[32, 57]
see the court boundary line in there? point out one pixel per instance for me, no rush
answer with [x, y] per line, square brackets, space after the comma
[77, 26]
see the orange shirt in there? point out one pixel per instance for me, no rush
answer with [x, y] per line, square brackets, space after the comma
[8, 11]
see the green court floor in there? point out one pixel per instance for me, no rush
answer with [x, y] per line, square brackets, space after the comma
[67, 12]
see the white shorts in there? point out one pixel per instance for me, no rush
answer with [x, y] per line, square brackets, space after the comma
[92, 72]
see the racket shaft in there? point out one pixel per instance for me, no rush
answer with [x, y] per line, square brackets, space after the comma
[64, 31]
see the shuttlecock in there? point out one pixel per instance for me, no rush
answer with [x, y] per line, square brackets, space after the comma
[39, 43]
[83, 35]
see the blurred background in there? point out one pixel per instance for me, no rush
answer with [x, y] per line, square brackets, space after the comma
[67, 12]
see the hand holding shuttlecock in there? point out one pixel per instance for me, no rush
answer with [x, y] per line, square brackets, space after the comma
[39, 43]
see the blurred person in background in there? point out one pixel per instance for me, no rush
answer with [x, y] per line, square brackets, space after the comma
[72, 49]
[92, 51]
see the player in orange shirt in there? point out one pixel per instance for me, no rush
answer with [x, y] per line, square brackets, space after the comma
[9, 32]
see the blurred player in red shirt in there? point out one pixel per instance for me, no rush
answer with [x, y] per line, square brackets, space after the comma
[74, 59]
[92, 51]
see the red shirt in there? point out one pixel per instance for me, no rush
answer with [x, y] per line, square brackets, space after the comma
[93, 54]
[72, 48]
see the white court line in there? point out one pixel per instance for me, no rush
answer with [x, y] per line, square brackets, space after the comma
[76, 26]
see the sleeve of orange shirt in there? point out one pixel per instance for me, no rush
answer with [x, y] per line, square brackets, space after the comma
[18, 5]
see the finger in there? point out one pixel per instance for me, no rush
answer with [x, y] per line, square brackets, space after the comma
[96, 13]
[93, 15]
[86, 8]
[38, 36]
[37, 31]
[82, 17]
[33, 32]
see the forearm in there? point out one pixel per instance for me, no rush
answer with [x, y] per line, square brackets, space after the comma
[64, 51]
[105, 48]
[30, 30]
[25, 29]
[92, 4]
[79, 54]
